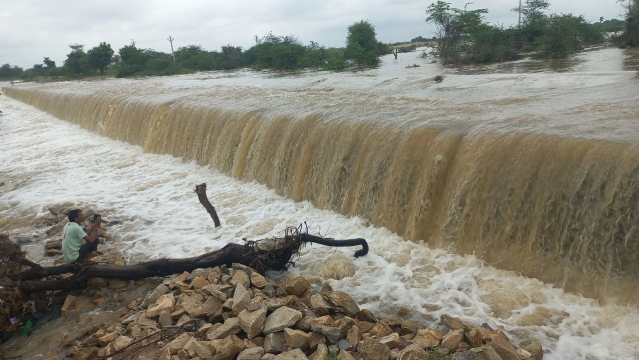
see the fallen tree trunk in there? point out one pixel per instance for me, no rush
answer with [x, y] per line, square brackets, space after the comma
[252, 254]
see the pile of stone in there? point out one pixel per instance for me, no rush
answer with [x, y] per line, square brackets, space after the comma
[241, 315]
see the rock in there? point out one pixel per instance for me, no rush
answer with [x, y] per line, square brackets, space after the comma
[366, 315]
[280, 319]
[345, 355]
[295, 354]
[241, 277]
[230, 327]
[258, 280]
[320, 305]
[164, 303]
[52, 252]
[53, 244]
[296, 339]
[274, 342]
[178, 343]
[108, 338]
[374, 350]
[535, 350]
[254, 304]
[353, 336]
[268, 357]
[474, 338]
[55, 230]
[216, 291]
[409, 327]
[254, 353]
[452, 340]
[132, 317]
[502, 346]
[212, 307]
[413, 352]
[316, 338]
[121, 342]
[68, 302]
[342, 301]
[320, 354]
[165, 319]
[297, 286]
[454, 323]
[155, 295]
[344, 345]
[381, 330]
[428, 338]
[322, 320]
[392, 340]
[227, 348]
[252, 322]
[241, 299]
[84, 353]
[333, 334]
[198, 348]
[199, 283]
[482, 353]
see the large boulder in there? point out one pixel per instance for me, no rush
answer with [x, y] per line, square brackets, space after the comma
[413, 352]
[297, 286]
[296, 339]
[280, 319]
[227, 348]
[295, 354]
[241, 299]
[252, 322]
[341, 301]
[164, 303]
[428, 338]
[374, 350]
[230, 327]
[255, 353]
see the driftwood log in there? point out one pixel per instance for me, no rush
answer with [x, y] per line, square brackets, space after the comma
[252, 254]
[200, 190]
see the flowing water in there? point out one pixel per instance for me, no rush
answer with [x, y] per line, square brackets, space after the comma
[530, 166]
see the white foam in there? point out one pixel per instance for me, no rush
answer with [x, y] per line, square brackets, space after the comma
[45, 161]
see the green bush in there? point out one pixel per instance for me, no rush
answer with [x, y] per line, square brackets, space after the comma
[407, 49]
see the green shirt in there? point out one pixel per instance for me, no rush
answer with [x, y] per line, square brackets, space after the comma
[72, 242]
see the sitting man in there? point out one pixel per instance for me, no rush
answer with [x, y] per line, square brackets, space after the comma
[76, 244]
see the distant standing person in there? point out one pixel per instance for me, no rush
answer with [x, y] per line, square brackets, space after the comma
[76, 244]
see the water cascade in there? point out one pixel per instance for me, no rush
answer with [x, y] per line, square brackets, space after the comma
[560, 209]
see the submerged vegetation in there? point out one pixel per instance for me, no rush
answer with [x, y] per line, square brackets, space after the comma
[464, 36]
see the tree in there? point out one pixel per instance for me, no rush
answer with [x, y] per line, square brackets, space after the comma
[10, 72]
[631, 34]
[453, 26]
[77, 61]
[100, 56]
[50, 64]
[533, 10]
[361, 44]
[232, 56]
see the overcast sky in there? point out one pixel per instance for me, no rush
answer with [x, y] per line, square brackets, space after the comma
[33, 29]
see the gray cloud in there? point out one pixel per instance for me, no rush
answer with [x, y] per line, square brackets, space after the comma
[32, 29]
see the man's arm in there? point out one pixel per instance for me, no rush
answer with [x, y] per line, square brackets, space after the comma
[93, 233]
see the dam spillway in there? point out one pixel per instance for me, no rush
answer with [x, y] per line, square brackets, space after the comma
[544, 184]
